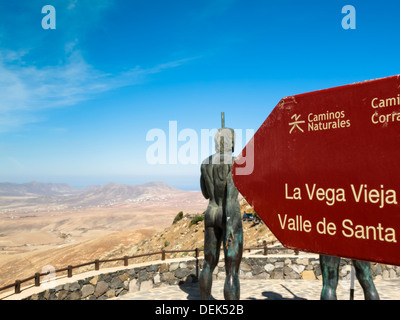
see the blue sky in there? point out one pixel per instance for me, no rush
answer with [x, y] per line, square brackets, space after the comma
[77, 102]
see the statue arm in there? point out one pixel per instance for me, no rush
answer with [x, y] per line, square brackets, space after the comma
[233, 206]
[203, 186]
[233, 241]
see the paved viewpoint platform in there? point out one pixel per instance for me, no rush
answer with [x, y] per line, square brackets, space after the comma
[267, 290]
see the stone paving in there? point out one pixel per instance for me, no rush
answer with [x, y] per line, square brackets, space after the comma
[267, 290]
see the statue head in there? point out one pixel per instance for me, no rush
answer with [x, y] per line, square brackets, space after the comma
[225, 140]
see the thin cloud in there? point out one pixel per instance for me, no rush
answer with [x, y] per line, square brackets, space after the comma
[33, 80]
[72, 4]
[29, 89]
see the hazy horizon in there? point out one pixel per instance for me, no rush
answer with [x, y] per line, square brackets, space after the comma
[183, 185]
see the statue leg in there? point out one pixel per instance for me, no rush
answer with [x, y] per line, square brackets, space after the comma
[233, 250]
[212, 245]
[364, 276]
[330, 276]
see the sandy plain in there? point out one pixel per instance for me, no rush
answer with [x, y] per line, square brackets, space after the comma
[33, 238]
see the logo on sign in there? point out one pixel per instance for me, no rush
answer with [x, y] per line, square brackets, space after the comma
[320, 122]
[295, 123]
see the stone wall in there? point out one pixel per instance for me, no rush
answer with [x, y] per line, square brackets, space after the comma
[305, 267]
[172, 272]
[110, 285]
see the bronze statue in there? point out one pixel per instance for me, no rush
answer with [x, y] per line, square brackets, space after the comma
[330, 277]
[222, 219]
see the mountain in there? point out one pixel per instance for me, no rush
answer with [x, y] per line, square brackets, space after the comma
[35, 188]
[54, 196]
[112, 193]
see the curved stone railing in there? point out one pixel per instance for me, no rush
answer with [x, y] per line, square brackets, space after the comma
[114, 282]
[37, 277]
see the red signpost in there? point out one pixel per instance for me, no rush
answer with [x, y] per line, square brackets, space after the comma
[326, 171]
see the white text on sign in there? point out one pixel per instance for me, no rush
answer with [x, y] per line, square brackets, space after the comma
[359, 193]
[348, 228]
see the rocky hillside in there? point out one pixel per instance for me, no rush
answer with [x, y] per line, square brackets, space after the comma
[188, 233]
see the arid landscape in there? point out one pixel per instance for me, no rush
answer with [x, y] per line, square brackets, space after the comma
[56, 224]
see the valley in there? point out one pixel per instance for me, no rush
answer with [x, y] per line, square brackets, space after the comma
[50, 228]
